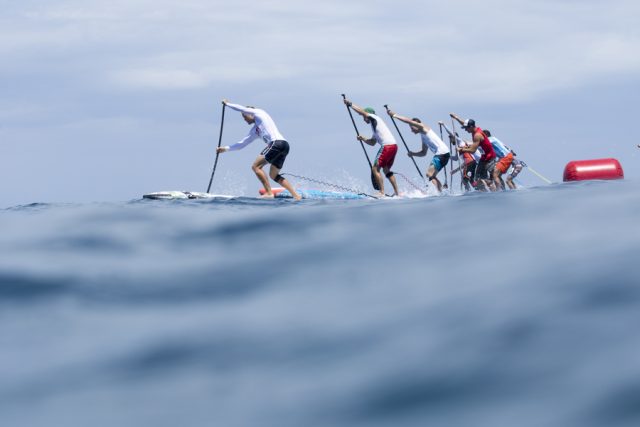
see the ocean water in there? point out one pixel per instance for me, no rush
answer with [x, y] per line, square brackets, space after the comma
[510, 309]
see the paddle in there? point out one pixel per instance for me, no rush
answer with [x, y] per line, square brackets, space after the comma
[450, 161]
[374, 181]
[453, 130]
[403, 142]
[215, 164]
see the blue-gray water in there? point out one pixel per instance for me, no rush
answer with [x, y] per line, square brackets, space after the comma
[513, 309]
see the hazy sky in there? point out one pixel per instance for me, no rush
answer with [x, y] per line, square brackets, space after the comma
[107, 100]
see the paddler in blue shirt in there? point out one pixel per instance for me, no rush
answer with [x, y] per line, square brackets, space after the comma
[430, 141]
[504, 157]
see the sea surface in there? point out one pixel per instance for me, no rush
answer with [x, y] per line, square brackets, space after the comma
[514, 309]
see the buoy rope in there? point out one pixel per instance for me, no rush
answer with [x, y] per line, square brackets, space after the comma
[414, 185]
[548, 181]
[331, 185]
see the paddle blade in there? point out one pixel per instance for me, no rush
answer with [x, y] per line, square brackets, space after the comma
[374, 181]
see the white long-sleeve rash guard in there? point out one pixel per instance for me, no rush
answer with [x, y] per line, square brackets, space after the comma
[264, 127]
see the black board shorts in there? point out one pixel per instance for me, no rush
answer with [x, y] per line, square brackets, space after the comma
[470, 171]
[276, 152]
[484, 170]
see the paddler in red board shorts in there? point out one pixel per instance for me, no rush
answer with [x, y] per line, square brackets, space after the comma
[388, 146]
[487, 162]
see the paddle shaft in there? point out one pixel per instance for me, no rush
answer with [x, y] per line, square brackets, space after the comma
[357, 132]
[404, 143]
[215, 164]
[453, 129]
[459, 168]
[453, 147]
[445, 168]
[374, 181]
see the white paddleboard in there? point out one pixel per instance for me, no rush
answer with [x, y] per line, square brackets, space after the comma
[176, 195]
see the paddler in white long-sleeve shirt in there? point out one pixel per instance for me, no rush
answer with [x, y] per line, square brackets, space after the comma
[275, 153]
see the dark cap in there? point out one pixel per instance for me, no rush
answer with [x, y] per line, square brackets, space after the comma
[469, 123]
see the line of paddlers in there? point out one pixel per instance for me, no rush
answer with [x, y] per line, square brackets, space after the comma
[482, 162]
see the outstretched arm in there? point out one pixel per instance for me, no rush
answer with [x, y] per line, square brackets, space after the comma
[459, 141]
[356, 108]
[441, 123]
[410, 122]
[456, 118]
[238, 107]
[420, 153]
[252, 136]
[359, 110]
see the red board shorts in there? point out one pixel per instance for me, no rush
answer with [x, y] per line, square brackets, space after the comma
[386, 156]
[504, 163]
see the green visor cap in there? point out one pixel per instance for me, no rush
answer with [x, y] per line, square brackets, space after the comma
[370, 110]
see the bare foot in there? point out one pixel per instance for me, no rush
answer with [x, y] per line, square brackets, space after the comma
[298, 197]
[267, 196]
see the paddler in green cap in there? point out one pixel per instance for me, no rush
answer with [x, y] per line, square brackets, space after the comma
[388, 146]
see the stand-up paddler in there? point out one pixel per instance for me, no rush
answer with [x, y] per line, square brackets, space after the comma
[275, 153]
[430, 141]
[470, 160]
[484, 170]
[388, 146]
[504, 158]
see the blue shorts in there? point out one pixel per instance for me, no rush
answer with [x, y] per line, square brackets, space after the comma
[440, 161]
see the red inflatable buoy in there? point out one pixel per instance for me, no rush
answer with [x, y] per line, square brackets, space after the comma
[581, 170]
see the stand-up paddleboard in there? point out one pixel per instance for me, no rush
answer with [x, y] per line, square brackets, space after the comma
[177, 195]
[281, 193]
